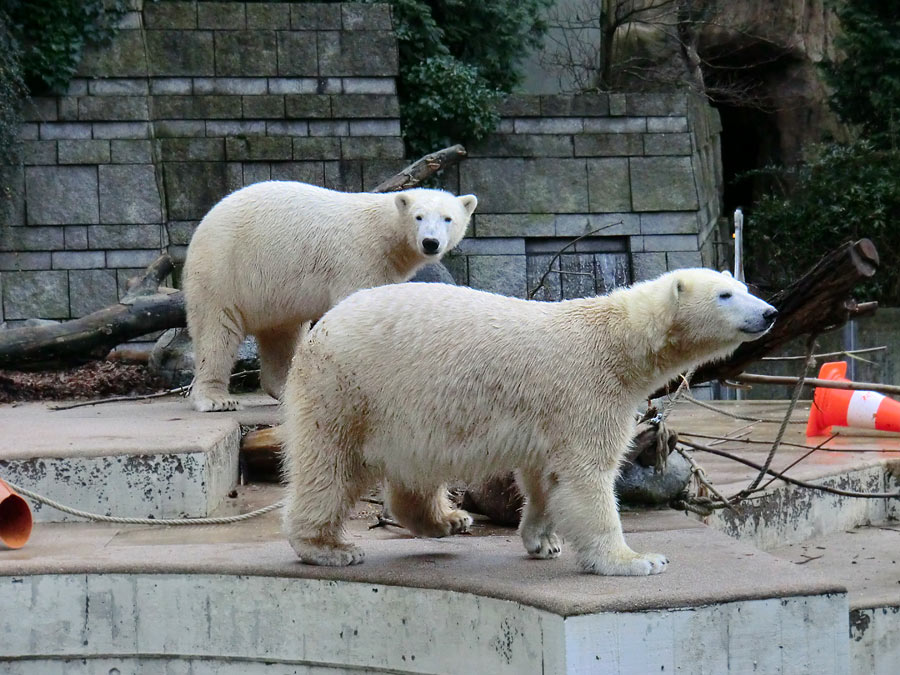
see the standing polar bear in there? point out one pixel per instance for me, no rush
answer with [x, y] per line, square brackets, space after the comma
[273, 256]
[418, 384]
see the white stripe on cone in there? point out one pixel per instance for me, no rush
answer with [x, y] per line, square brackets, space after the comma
[862, 409]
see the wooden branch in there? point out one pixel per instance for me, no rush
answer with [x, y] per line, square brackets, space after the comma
[817, 302]
[753, 378]
[420, 170]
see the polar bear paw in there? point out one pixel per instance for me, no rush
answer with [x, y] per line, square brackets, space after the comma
[544, 546]
[458, 521]
[335, 555]
[214, 404]
[633, 565]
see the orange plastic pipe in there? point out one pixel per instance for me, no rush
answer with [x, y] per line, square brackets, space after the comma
[15, 517]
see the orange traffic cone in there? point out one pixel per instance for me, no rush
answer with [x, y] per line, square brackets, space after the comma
[15, 517]
[848, 408]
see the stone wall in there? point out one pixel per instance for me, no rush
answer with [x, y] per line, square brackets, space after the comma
[191, 101]
[643, 169]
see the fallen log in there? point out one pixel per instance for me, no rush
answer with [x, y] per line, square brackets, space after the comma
[144, 310]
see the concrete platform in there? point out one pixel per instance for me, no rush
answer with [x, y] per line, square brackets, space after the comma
[195, 597]
[154, 458]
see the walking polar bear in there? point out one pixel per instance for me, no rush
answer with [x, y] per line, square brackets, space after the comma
[273, 256]
[418, 384]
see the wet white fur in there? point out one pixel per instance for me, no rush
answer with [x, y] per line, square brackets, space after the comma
[419, 384]
[273, 256]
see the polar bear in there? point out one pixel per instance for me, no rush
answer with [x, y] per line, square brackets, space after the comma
[418, 384]
[274, 256]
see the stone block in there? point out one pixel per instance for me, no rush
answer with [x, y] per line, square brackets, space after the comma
[31, 239]
[193, 187]
[519, 225]
[192, 149]
[549, 125]
[671, 242]
[180, 128]
[617, 105]
[78, 260]
[62, 195]
[75, 237]
[124, 236]
[526, 185]
[680, 259]
[358, 16]
[613, 270]
[68, 108]
[615, 125]
[369, 85]
[130, 152]
[12, 196]
[263, 107]
[29, 131]
[113, 108]
[579, 105]
[492, 246]
[648, 265]
[603, 225]
[265, 15]
[117, 87]
[372, 147]
[171, 86]
[683, 222]
[32, 295]
[317, 148]
[376, 171]
[663, 184]
[577, 275]
[52, 131]
[40, 109]
[23, 260]
[664, 104]
[255, 148]
[289, 128]
[315, 16]
[197, 107]
[345, 175]
[129, 194]
[77, 87]
[256, 172]
[503, 274]
[375, 127]
[38, 152]
[522, 145]
[667, 144]
[246, 53]
[241, 86]
[307, 106]
[121, 129]
[458, 266]
[608, 185]
[297, 54]
[161, 15]
[608, 145]
[123, 57]
[329, 128]
[236, 128]
[600, 243]
[95, 151]
[305, 172]
[658, 125]
[520, 106]
[365, 105]
[358, 54]
[293, 85]
[180, 53]
[221, 15]
[181, 231]
[90, 290]
[131, 258]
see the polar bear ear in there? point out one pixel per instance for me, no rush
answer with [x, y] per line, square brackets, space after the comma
[402, 202]
[727, 273]
[469, 202]
[677, 289]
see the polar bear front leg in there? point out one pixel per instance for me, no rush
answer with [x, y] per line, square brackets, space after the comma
[216, 340]
[536, 528]
[425, 512]
[583, 504]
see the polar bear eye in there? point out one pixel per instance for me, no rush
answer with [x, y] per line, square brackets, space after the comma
[418, 217]
[725, 295]
[447, 219]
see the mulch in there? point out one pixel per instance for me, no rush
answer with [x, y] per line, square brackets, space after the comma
[98, 379]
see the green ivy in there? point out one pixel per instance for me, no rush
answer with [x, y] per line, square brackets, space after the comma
[12, 92]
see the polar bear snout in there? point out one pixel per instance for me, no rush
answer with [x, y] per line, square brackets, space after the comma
[764, 321]
[430, 246]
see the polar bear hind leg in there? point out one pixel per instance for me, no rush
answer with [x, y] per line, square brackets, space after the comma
[216, 337]
[582, 503]
[425, 513]
[276, 349]
[536, 528]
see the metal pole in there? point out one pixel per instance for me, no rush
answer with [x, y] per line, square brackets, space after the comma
[739, 244]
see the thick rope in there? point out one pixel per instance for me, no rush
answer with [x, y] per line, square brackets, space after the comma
[225, 520]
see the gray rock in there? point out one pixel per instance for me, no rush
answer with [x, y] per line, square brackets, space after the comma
[644, 485]
[434, 273]
[172, 359]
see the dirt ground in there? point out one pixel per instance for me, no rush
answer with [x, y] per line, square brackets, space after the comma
[93, 380]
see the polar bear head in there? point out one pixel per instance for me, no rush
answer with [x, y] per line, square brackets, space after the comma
[436, 220]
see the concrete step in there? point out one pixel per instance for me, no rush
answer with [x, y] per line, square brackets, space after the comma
[156, 459]
[85, 598]
[866, 560]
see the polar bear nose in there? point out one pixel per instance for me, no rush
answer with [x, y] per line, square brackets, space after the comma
[770, 314]
[430, 246]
